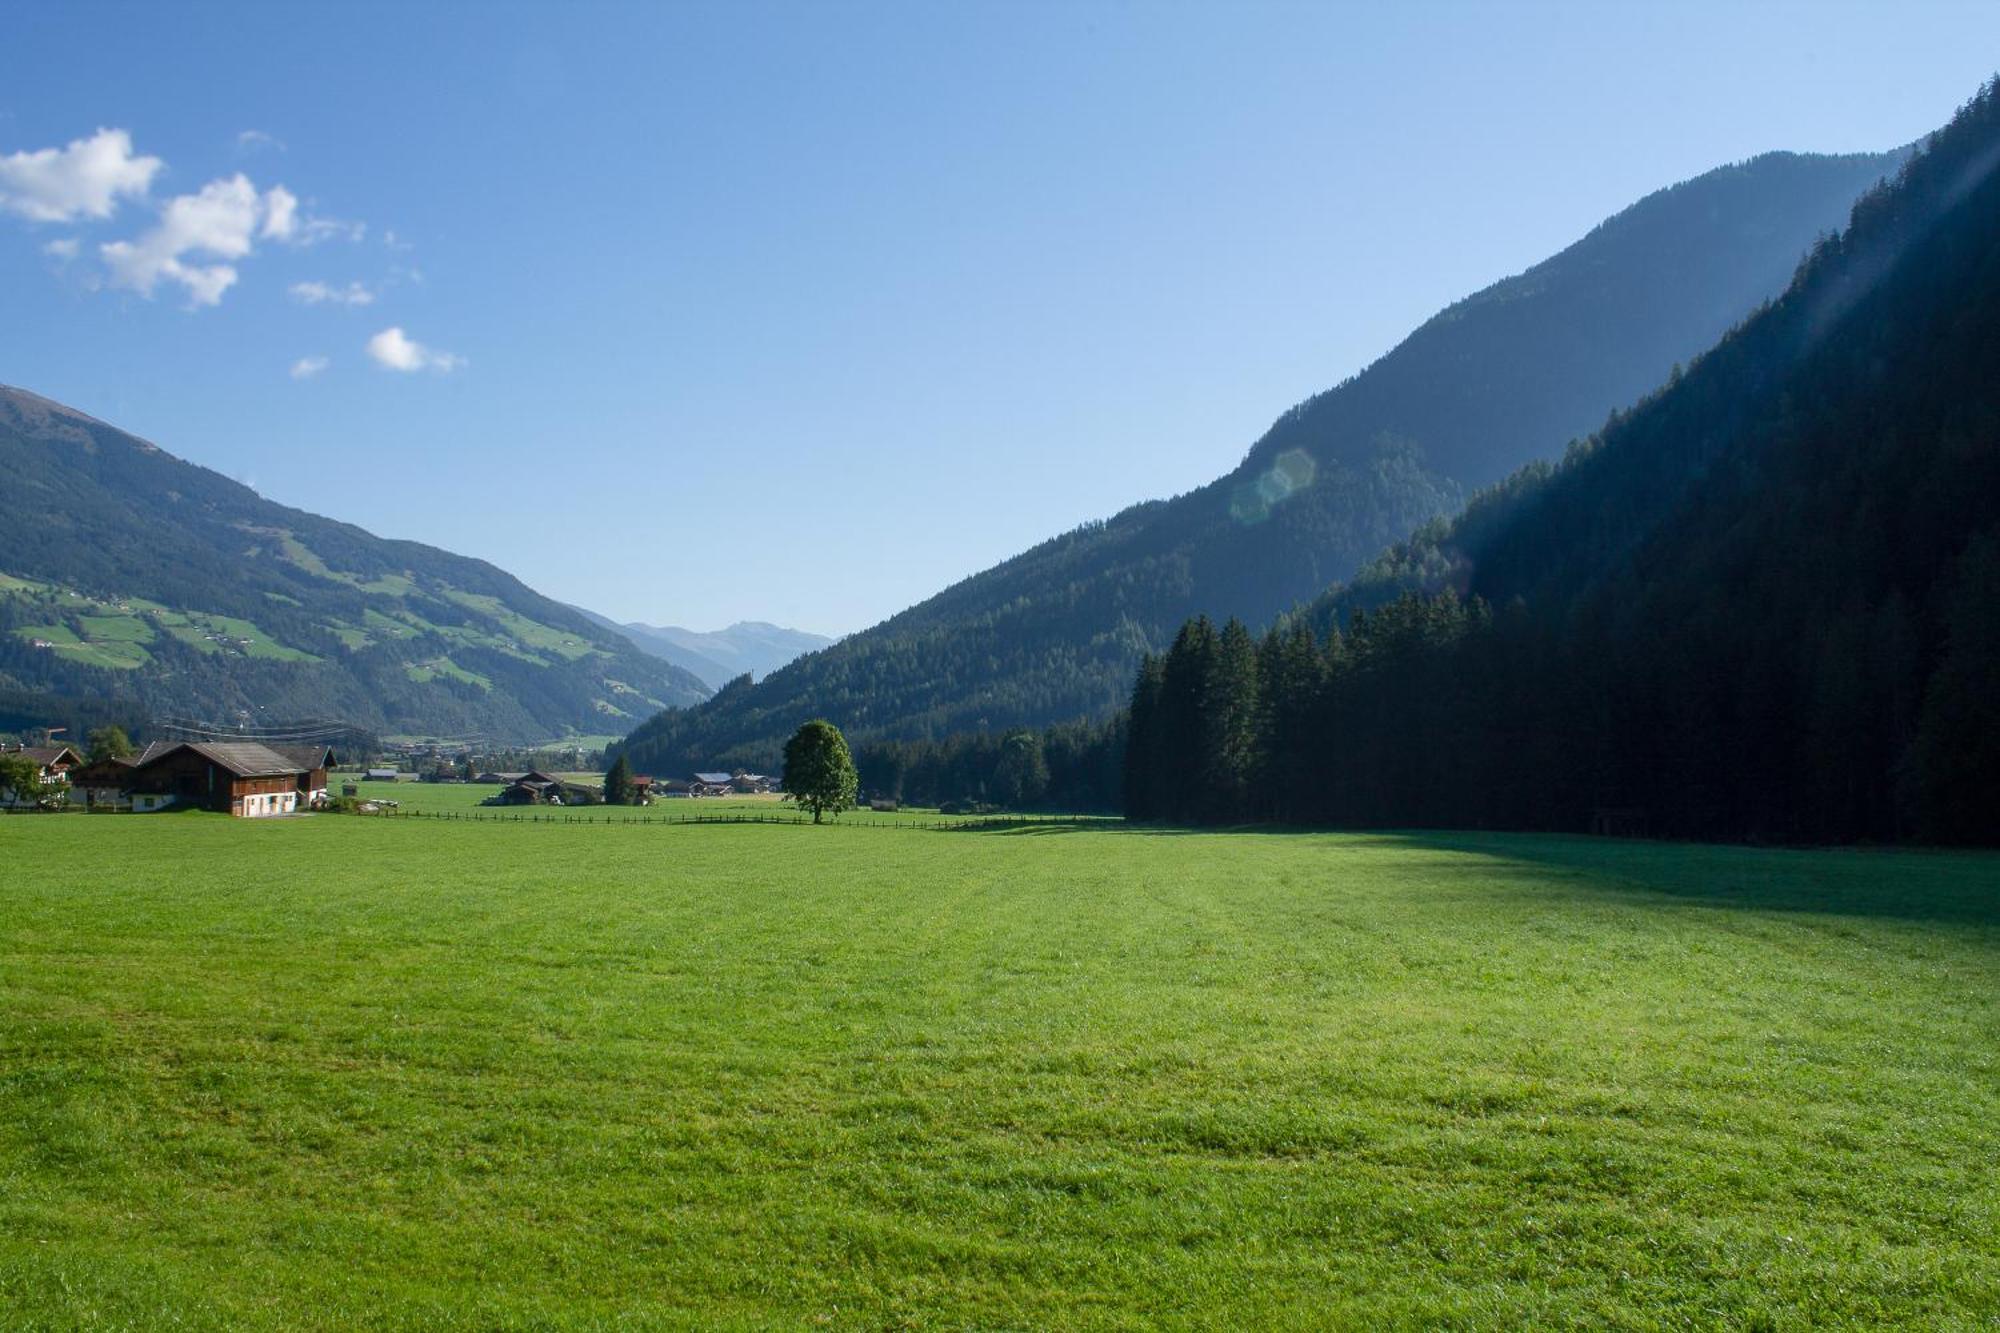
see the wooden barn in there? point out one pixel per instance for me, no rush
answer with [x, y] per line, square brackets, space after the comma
[240, 778]
[103, 784]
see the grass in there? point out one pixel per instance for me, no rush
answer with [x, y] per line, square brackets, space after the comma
[342, 1071]
[444, 667]
[434, 798]
[112, 632]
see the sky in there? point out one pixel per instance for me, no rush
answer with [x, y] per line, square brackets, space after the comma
[691, 314]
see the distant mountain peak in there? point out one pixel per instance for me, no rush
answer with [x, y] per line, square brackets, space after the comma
[752, 647]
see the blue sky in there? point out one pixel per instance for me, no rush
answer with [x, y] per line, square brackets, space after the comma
[696, 313]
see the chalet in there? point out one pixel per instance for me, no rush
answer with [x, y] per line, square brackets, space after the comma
[538, 788]
[56, 762]
[499, 779]
[382, 775]
[233, 777]
[642, 790]
[752, 784]
[104, 784]
[713, 784]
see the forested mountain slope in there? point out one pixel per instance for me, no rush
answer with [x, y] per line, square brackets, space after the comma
[1504, 376]
[127, 574]
[1763, 603]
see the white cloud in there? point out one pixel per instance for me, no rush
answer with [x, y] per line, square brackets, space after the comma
[84, 179]
[320, 293]
[396, 350]
[64, 248]
[281, 213]
[249, 141]
[308, 366]
[221, 221]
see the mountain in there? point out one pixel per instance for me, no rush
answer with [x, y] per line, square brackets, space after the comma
[1763, 603]
[127, 574]
[1499, 378]
[719, 656]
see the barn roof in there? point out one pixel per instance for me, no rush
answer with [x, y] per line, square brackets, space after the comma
[306, 756]
[246, 759]
[714, 779]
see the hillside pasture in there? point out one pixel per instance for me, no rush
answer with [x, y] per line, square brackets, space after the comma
[337, 1071]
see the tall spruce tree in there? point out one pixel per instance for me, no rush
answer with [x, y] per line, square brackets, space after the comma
[618, 783]
[1144, 762]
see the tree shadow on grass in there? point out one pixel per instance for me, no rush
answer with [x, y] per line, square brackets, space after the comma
[1905, 883]
[1912, 884]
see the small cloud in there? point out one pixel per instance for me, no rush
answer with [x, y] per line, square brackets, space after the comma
[320, 293]
[308, 366]
[251, 141]
[395, 350]
[281, 214]
[313, 230]
[395, 242]
[86, 179]
[220, 221]
[64, 249]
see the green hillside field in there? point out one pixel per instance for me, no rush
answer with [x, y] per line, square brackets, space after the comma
[340, 1071]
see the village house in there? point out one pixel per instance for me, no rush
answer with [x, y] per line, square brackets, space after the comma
[240, 778]
[56, 763]
[713, 784]
[538, 788]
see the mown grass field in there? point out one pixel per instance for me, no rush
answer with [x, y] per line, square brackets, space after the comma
[352, 1072]
[469, 798]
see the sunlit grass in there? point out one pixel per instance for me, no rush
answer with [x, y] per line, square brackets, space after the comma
[343, 1071]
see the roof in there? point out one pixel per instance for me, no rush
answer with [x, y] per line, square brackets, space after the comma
[714, 779]
[245, 759]
[306, 756]
[46, 755]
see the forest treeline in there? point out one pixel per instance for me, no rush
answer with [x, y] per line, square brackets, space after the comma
[1763, 603]
[1069, 766]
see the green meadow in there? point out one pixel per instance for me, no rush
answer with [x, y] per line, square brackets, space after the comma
[468, 800]
[355, 1072]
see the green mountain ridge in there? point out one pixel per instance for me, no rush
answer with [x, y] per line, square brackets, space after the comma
[129, 575]
[1500, 378]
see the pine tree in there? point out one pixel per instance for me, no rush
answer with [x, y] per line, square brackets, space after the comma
[1142, 766]
[618, 783]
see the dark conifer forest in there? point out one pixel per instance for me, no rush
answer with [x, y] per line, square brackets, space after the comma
[1763, 603]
